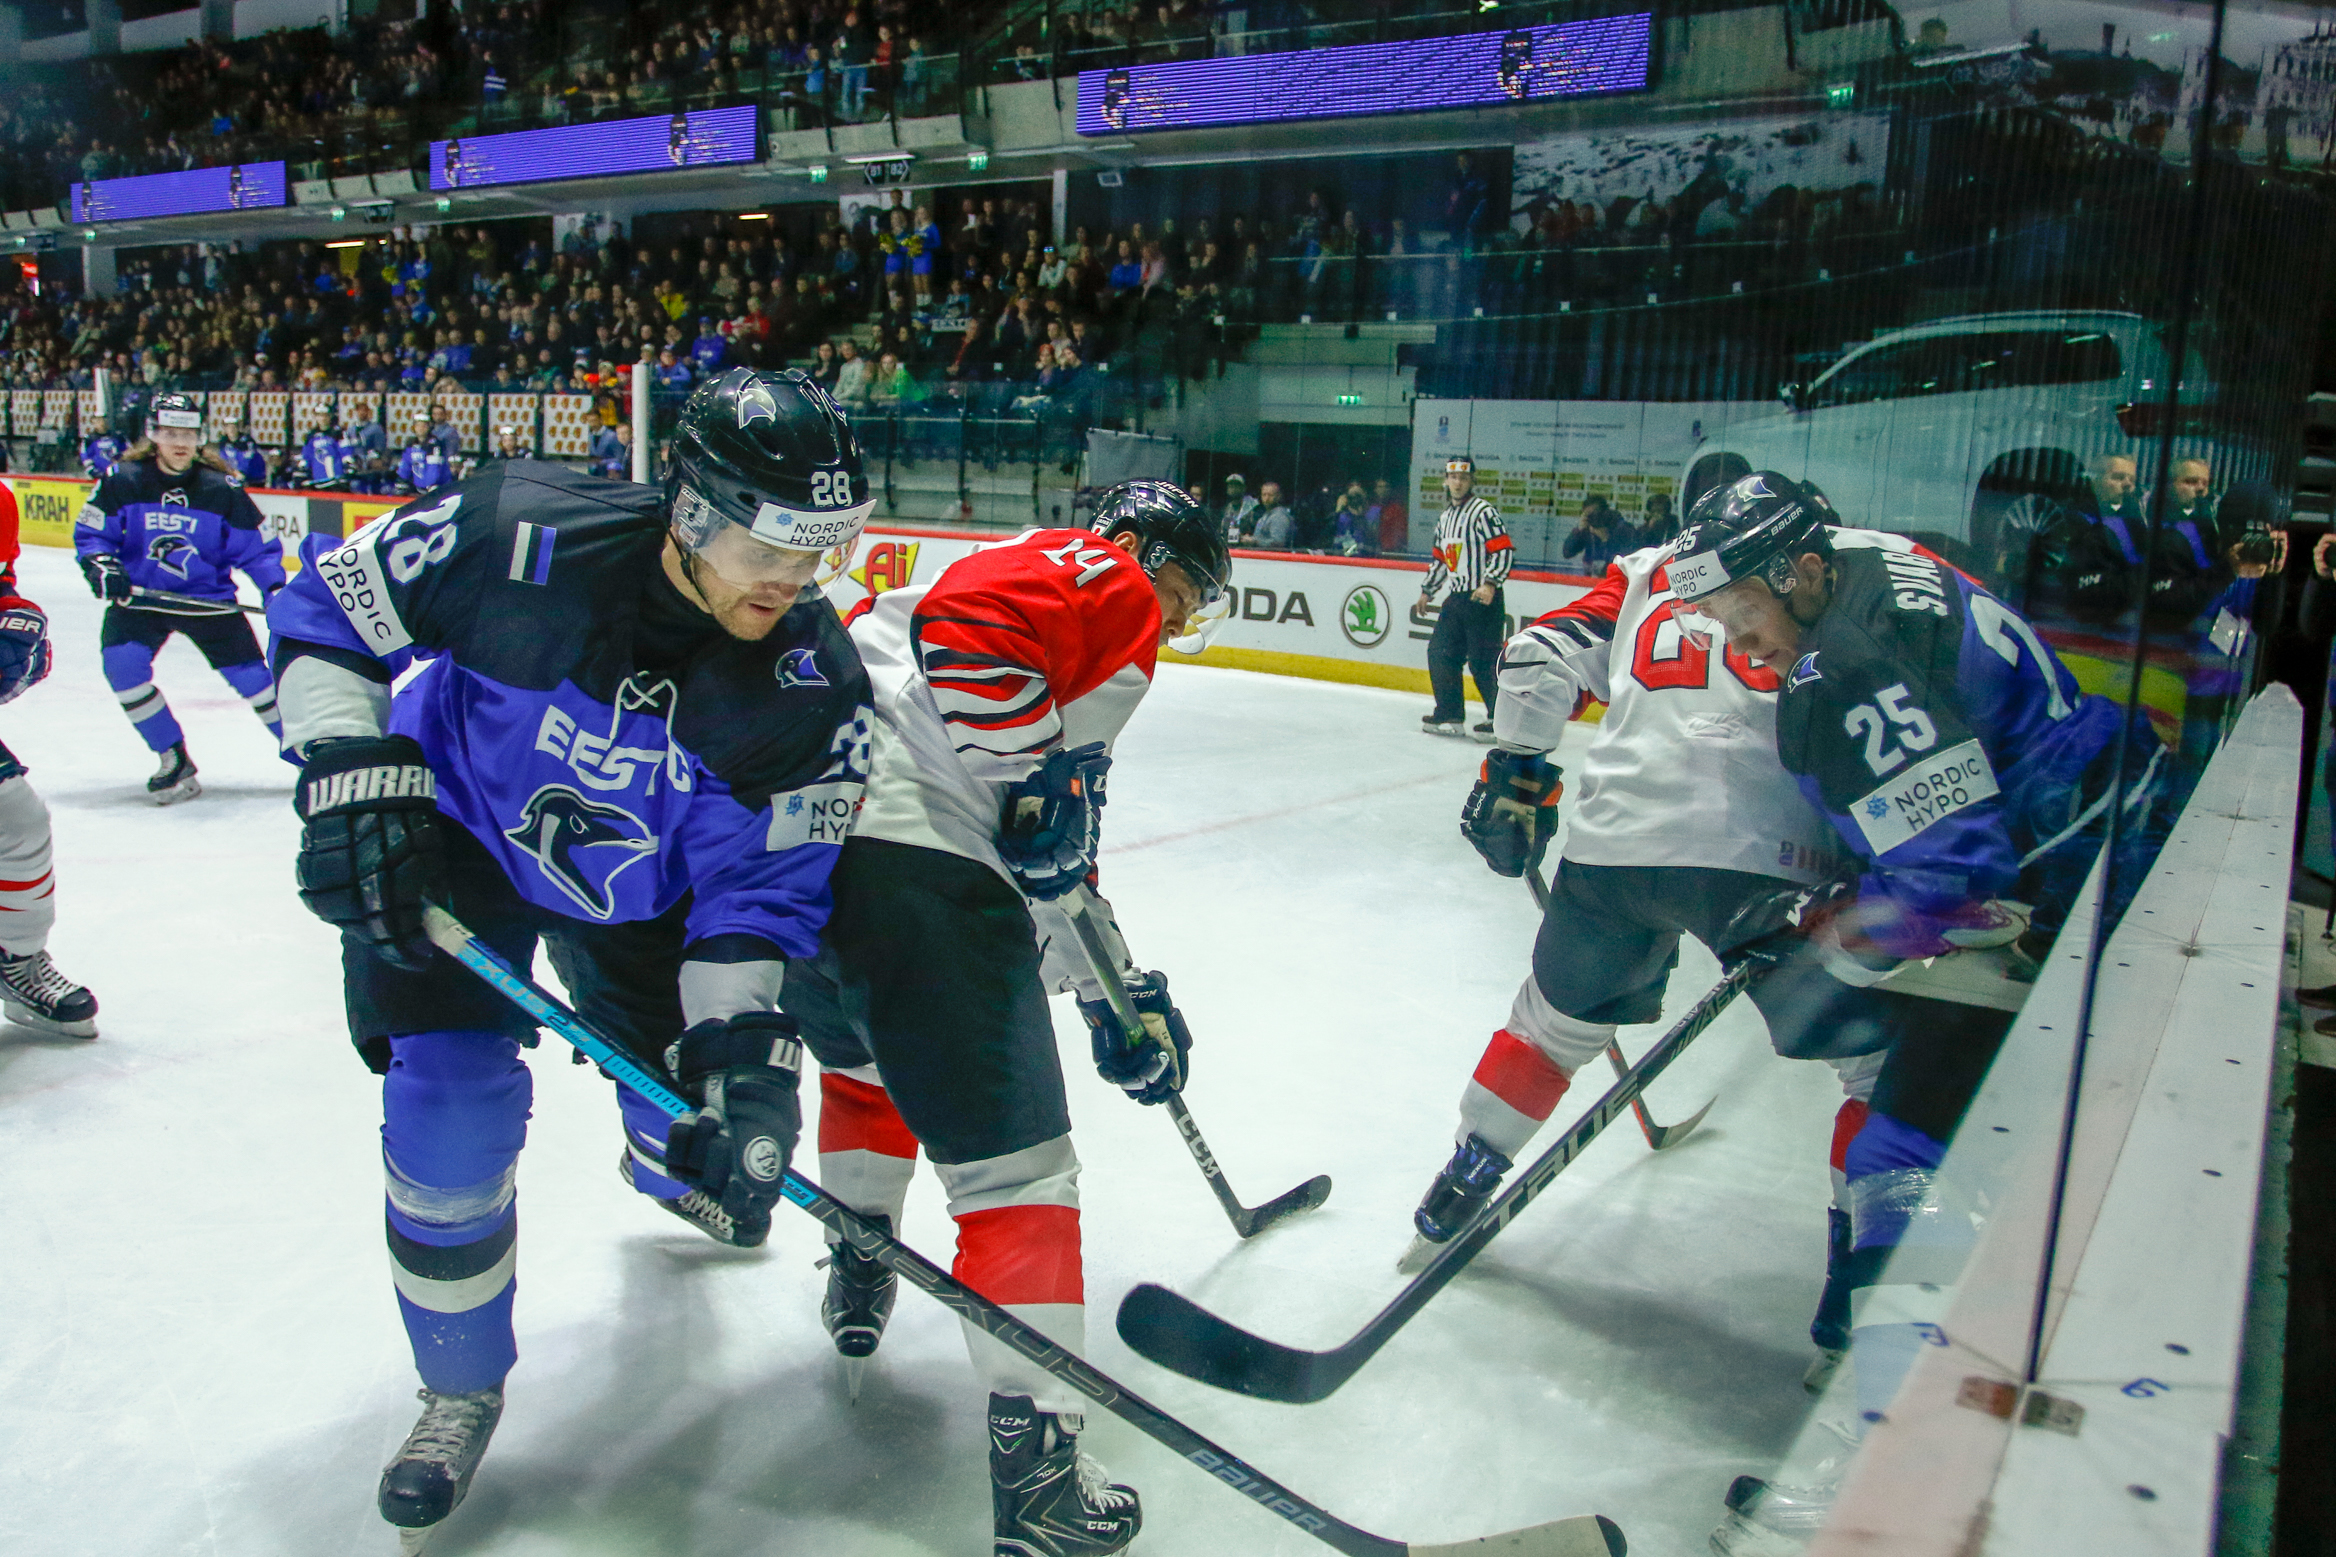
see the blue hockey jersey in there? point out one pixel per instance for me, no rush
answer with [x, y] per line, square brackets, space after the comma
[99, 455]
[188, 534]
[423, 467]
[610, 745]
[329, 458]
[248, 459]
[1944, 739]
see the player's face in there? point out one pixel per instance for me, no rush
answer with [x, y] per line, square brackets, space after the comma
[1180, 598]
[1765, 625]
[744, 584]
[175, 448]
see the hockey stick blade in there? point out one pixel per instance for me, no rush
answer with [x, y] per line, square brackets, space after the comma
[1179, 1334]
[212, 607]
[1584, 1535]
[1247, 1223]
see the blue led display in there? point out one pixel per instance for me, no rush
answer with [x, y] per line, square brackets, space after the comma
[655, 143]
[242, 187]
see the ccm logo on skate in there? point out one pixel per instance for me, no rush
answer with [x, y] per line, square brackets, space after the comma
[362, 784]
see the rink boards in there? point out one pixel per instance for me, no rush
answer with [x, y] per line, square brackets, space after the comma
[1349, 619]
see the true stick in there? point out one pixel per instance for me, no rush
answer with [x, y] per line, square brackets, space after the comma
[1585, 1535]
[1178, 1333]
[1246, 1222]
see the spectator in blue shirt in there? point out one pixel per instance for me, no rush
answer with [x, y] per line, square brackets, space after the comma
[672, 375]
[612, 453]
[708, 350]
[1601, 537]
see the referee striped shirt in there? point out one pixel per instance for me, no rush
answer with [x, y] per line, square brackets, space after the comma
[1472, 549]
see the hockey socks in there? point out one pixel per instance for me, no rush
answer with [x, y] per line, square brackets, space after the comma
[454, 1116]
[1907, 1253]
[129, 670]
[256, 687]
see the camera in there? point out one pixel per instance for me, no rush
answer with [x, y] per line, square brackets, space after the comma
[2257, 545]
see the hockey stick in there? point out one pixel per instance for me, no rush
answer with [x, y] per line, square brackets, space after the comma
[1247, 1223]
[1658, 1136]
[1583, 1535]
[213, 607]
[1178, 1333]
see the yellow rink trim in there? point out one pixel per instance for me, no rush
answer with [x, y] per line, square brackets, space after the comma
[1318, 667]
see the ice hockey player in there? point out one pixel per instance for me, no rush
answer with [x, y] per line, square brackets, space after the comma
[1959, 762]
[509, 445]
[170, 518]
[327, 459]
[100, 454]
[32, 992]
[1473, 552]
[999, 690]
[245, 460]
[638, 738]
[423, 466]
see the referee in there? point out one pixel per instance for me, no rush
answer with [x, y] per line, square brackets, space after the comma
[1472, 561]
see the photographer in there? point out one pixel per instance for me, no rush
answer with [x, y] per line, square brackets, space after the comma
[1601, 537]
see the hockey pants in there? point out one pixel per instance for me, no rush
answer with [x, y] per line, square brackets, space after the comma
[128, 640]
[1467, 632]
[28, 887]
[928, 1016]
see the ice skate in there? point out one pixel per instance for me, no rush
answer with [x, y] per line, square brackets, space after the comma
[1458, 1193]
[703, 1212]
[858, 1302]
[427, 1478]
[1822, 1367]
[175, 779]
[1432, 724]
[1481, 732]
[1779, 1518]
[35, 995]
[1050, 1500]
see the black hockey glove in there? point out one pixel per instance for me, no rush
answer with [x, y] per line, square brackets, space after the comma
[24, 649]
[1511, 814]
[743, 1074]
[1053, 821]
[370, 853]
[107, 581]
[1151, 1069]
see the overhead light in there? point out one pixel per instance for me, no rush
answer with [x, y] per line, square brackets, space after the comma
[754, 216]
[340, 213]
[818, 175]
[346, 243]
[89, 235]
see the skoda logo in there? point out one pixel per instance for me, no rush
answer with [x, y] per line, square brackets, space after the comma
[1366, 617]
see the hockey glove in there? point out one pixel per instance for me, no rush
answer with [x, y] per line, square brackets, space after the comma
[107, 581]
[1151, 1069]
[370, 852]
[1511, 814]
[1053, 821]
[24, 649]
[743, 1073]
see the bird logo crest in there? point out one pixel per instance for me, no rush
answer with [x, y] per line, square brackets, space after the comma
[800, 668]
[171, 553]
[756, 403]
[581, 845]
[1804, 671]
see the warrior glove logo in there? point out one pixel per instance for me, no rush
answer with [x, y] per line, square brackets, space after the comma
[800, 668]
[170, 553]
[582, 845]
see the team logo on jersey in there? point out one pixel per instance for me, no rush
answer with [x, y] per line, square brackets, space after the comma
[800, 668]
[170, 553]
[176, 497]
[1366, 618]
[582, 845]
[1804, 671]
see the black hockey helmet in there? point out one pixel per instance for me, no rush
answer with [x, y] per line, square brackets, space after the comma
[177, 411]
[771, 456]
[1169, 527]
[1752, 528]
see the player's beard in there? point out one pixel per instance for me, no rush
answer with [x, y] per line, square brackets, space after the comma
[745, 614]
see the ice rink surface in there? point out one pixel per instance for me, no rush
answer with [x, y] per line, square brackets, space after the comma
[200, 1352]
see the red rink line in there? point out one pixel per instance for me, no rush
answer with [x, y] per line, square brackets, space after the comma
[1268, 816]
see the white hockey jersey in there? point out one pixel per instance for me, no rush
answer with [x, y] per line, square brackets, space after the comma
[1683, 769]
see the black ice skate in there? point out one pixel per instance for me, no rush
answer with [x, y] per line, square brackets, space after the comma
[175, 780]
[703, 1212]
[1436, 724]
[35, 995]
[1482, 731]
[1049, 1499]
[428, 1476]
[1458, 1193]
[1780, 1518]
[858, 1302]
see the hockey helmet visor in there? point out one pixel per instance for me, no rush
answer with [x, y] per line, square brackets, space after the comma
[1747, 533]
